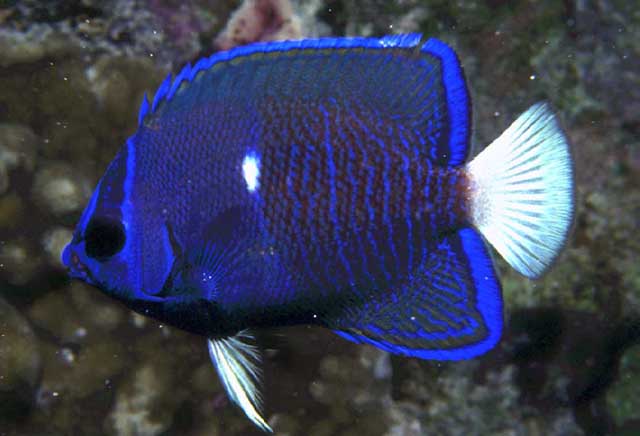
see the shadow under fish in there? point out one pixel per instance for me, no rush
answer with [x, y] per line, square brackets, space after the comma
[324, 182]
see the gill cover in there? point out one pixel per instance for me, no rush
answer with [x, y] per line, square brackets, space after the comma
[106, 249]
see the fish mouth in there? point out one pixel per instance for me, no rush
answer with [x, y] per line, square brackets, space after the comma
[66, 256]
[76, 269]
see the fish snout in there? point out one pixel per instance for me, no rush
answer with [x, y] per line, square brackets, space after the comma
[66, 256]
[71, 260]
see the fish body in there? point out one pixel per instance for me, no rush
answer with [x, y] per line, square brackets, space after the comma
[324, 182]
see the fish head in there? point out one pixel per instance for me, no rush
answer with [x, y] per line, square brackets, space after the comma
[105, 251]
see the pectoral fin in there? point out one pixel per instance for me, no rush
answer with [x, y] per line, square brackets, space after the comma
[236, 361]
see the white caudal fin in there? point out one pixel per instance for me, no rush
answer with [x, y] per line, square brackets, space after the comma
[237, 364]
[522, 198]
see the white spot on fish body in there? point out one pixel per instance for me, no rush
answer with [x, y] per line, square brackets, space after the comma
[251, 171]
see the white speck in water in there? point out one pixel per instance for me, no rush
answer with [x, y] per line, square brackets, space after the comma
[138, 320]
[67, 356]
[532, 77]
[496, 114]
[81, 332]
[413, 318]
[251, 171]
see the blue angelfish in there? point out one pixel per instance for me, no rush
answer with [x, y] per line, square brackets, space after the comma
[324, 182]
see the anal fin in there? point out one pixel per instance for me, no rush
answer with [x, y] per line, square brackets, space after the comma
[450, 308]
[236, 361]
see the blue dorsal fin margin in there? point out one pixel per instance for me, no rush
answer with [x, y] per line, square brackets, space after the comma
[161, 92]
[184, 74]
[144, 109]
[458, 100]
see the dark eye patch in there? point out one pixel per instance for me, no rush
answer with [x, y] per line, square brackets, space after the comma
[104, 237]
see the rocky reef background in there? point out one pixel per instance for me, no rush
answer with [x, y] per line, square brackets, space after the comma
[74, 362]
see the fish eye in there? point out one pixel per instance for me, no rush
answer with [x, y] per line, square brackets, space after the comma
[104, 237]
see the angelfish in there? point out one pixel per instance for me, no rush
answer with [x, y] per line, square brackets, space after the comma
[324, 182]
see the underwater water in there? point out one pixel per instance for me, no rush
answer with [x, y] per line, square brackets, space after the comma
[74, 361]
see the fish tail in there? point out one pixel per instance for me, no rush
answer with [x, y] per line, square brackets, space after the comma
[522, 196]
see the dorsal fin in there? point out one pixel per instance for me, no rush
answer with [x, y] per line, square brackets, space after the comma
[169, 87]
[433, 89]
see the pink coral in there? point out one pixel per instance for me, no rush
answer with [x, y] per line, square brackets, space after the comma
[179, 18]
[260, 20]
